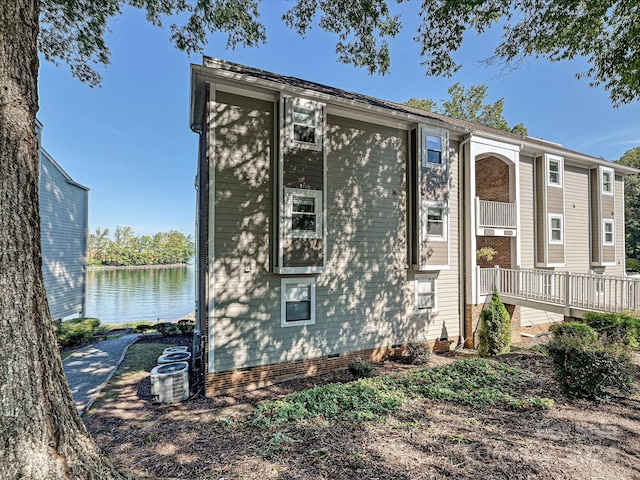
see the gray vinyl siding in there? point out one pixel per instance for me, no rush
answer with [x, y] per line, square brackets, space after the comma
[527, 213]
[576, 219]
[619, 218]
[434, 253]
[365, 297]
[302, 169]
[596, 217]
[303, 252]
[63, 222]
[541, 211]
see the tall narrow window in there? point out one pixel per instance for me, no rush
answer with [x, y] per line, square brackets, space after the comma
[303, 213]
[607, 232]
[304, 121]
[304, 125]
[555, 229]
[433, 152]
[607, 181]
[554, 171]
[298, 299]
[434, 221]
[426, 299]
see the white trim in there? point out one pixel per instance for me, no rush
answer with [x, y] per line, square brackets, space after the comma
[610, 221]
[425, 205]
[430, 268]
[316, 195]
[424, 132]
[547, 162]
[612, 178]
[298, 270]
[434, 292]
[304, 281]
[556, 216]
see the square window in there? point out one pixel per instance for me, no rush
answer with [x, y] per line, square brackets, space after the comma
[555, 228]
[298, 301]
[303, 213]
[425, 286]
[607, 232]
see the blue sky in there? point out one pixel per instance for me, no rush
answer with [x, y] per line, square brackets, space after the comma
[129, 141]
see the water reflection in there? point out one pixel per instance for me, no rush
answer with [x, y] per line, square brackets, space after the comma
[118, 296]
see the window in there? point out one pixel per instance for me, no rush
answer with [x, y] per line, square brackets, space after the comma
[555, 228]
[303, 213]
[606, 175]
[426, 293]
[607, 232]
[434, 222]
[304, 122]
[433, 152]
[298, 299]
[554, 171]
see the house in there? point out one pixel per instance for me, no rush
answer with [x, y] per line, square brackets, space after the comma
[333, 225]
[64, 213]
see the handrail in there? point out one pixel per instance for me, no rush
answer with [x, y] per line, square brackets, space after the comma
[497, 214]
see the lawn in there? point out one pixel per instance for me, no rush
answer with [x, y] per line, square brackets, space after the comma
[459, 418]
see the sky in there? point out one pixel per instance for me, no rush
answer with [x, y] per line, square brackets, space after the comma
[129, 140]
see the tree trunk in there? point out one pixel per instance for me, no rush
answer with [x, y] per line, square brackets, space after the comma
[41, 435]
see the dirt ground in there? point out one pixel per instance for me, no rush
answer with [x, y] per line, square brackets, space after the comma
[209, 438]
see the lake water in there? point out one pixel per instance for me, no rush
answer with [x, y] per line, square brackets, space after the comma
[119, 296]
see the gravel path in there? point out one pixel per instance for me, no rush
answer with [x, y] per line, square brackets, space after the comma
[90, 368]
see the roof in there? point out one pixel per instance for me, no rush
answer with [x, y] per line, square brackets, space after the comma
[270, 80]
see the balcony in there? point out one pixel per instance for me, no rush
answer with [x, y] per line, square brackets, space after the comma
[496, 218]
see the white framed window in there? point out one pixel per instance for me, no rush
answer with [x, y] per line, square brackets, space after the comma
[298, 301]
[554, 171]
[303, 213]
[426, 287]
[606, 180]
[556, 230]
[304, 122]
[608, 235]
[433, 152]
[434, 221]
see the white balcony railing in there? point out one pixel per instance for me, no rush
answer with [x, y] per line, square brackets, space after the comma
[496, 214]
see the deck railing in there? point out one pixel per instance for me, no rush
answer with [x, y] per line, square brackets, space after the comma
[496, 214]
[582, 291]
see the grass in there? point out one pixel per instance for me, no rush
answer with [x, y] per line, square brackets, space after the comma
[474, 382]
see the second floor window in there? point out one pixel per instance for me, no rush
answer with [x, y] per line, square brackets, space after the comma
[304, 213]
[607, 184]
[554, 171]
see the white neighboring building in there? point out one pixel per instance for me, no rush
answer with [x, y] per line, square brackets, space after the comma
[64, 213]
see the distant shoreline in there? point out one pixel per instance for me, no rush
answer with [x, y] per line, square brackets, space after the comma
[136, 267]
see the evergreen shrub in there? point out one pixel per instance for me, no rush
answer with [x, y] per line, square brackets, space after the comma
[495, 328]
[76, 331]
[360, 368]
[615, 327]
[418, 353]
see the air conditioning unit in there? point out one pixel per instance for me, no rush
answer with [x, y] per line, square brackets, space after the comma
[174, 357]
[175, 350]
[170, 382]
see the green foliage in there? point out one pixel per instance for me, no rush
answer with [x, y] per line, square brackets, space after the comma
[468, 104]
[631, 158]
[486, 253]
[615, 327]
[495, 328]
[186, 325]
[77, 331]
[126, 249]
[167, 329]
[143, 328]
[589, 369]
[360, 368]
[418, 353]
[578, 330]
[475, 382]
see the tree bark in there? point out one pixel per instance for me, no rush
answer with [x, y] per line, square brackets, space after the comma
[41, 434]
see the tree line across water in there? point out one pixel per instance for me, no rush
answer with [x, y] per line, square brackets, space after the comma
[125, 248]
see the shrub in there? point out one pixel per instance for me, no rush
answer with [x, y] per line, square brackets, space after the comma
[186, 325]
[143, 327]
[575, 330]
[360, 368]
[632, 264]
[585, 368]
[167, 329]
[495, 328]
[615, 327]
[77, 331]
[418, 353]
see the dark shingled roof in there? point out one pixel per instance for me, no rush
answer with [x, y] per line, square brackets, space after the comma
[464, 125]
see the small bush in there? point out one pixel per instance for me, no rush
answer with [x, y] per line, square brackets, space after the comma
[186, 325]
[167, 329]
[77, 331]
[495, 328]
[615, 327]
[575, 330]
[143, 328]
[632, 264]
[418, 353]
[360, 368]
[589, 369]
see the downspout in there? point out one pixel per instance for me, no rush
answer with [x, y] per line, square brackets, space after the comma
[461, 239]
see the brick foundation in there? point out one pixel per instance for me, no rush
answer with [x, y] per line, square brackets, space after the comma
[251, 378]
